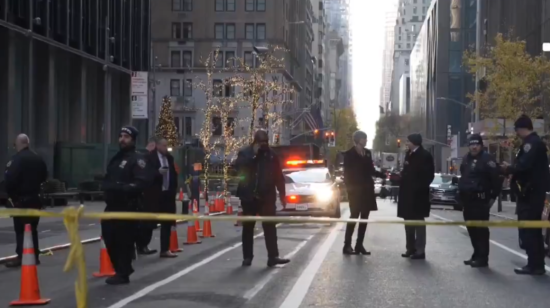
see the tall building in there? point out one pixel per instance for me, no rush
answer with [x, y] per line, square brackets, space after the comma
[65, 78]
[184, 32]
[410, 16]
[319, 53]
[387, 58]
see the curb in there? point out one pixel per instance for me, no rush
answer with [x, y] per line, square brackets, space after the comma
[4, 260]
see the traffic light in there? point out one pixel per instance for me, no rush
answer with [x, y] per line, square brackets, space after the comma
[332, 140]
[276, 139]
[399, 143]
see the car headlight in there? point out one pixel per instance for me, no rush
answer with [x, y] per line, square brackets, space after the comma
[324, 195]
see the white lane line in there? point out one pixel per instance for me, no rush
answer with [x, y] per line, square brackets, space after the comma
[504, 247]
[153, 287]
[299, 290]
[260, 285]
[45, 231]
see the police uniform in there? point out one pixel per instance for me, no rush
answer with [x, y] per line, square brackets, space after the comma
[126, 178]
[479, 187]
[530, 181]
[24, 174]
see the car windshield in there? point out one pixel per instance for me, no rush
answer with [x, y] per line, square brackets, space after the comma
[442, 179]
[308, 176]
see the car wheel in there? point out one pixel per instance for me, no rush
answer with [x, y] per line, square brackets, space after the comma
[457, 207]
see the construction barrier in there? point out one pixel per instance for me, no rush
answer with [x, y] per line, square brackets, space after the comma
[72, 216]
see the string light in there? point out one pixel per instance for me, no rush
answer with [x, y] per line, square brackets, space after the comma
[166, 127]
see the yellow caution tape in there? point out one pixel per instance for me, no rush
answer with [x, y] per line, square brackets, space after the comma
[72, 215]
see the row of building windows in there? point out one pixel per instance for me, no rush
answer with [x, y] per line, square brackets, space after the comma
[222, 31]
[184, 126]
[223, 59]
[221, 5]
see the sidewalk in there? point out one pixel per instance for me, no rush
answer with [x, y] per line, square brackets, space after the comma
[508, 210]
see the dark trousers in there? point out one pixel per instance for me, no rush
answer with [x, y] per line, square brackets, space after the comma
[478, 210]
[19, 227]
[144, 233]
[356, 212]
[119, 239]
[253, 208]
[530, 208]
[416, 239]
[168, 206]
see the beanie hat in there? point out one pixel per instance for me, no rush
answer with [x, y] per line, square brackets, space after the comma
[130, 130]
[475, 139]
[524, 122]
[415, 139]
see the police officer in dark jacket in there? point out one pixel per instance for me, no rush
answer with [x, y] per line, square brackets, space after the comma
[24, 174]
[530, 180]
[127, 176]
[260, 172]
[479, 187]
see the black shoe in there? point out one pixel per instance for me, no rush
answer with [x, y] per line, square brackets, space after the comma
[247, 262]
[348, 250]
[361, 250]
[146, 251]
[407, 254]
[117, 280]
[527, 270]
[418, 256]
[468, 262]
[479, 263]
[13, 263]
[276, 261]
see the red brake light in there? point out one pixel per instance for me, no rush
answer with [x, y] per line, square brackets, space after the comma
[292, 199]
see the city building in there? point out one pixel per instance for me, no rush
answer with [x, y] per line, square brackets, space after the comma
[404, 94]
[65, 79]
[185, 31]
[410, 16]
[321, 105]
[387, 59]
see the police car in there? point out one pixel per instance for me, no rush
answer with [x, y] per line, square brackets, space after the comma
[310, 190]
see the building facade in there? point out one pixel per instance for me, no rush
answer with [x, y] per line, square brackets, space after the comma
[387, 60]
[65, 78]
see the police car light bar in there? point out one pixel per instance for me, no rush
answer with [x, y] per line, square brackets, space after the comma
[304, 162]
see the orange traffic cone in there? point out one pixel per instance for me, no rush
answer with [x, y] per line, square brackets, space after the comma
[211, 206]
[207, 225]
[29, 294]
[196, 213]
[105, 265]
[229, 206]
[238, 223]
[191, 231]
[181, 194]
[174, 246]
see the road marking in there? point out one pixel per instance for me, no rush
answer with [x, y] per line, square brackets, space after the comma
[299, 290]
[504, 247]
[45, 231]
[153, 287]
[260, 285]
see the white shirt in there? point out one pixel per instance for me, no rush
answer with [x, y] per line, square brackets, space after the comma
[164, 163]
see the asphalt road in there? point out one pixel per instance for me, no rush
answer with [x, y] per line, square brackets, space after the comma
[209, 275]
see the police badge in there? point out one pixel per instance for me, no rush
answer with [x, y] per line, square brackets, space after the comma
[526, 147]
[142, 163]
[492, 164]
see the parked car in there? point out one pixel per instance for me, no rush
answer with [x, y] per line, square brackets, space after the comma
[444, 191]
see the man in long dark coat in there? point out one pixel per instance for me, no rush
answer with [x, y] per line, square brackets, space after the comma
[358, 178]
[414, 195]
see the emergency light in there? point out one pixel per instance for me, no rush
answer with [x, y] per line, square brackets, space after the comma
[303, 162]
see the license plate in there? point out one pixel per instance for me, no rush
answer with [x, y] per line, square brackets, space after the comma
[301, 207]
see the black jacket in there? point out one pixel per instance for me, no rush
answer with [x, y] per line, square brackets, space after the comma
[358, 178]
[24, 175]
[530, 171]
[153, 192]
[480, 174]
[247, 163]
[414, 191]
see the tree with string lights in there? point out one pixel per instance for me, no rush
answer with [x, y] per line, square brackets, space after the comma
[166, 127]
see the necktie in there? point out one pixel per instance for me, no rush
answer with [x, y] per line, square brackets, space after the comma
[165, 177]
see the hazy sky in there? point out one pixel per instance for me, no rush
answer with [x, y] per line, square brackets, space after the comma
[367, 26]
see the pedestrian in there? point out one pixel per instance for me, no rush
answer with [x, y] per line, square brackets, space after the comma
[358, 177]
[125, 181]
[24, 175]
[165, 188]
[531, 178]
[150, 203]
[479, 186]
[260, 174]
[395, 181]
[414, 195]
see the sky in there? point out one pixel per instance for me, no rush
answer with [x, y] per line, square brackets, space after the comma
[367, 26]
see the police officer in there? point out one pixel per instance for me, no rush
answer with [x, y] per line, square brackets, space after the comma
[530, 180]
[24, 174]
[479, 186]
[127, 177]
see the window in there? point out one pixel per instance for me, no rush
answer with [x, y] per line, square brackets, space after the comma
[407, 62]
[399, 46]
[249, 58]
[188, 87]
[177, 123]
[408, 45]
[414, 1]
[175, 58]
[188, 126]
[176, 30]
[218, 88]
[187, 58]
[414, 10]
[218, 31]
[176, 5]
[249, 31]
[249, 5]
[260, 31]
[230, 5]
[175, 89]
[455, 61]
[230, 59]
[217, 129]
[218, 57]
[187, 30]
[230, 128]
[219, 6]
[400, 30]
[260, 5]
[230, 31]
[188, 5]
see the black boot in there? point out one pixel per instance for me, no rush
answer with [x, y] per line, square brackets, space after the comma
[479, 263]
[418, 256]
[271, 262]
[348, 250]
[359, 249]
[146, 251]
[247, 262]
[407, 254]
[117, 280]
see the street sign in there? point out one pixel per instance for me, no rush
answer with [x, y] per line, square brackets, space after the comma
[139, 95]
